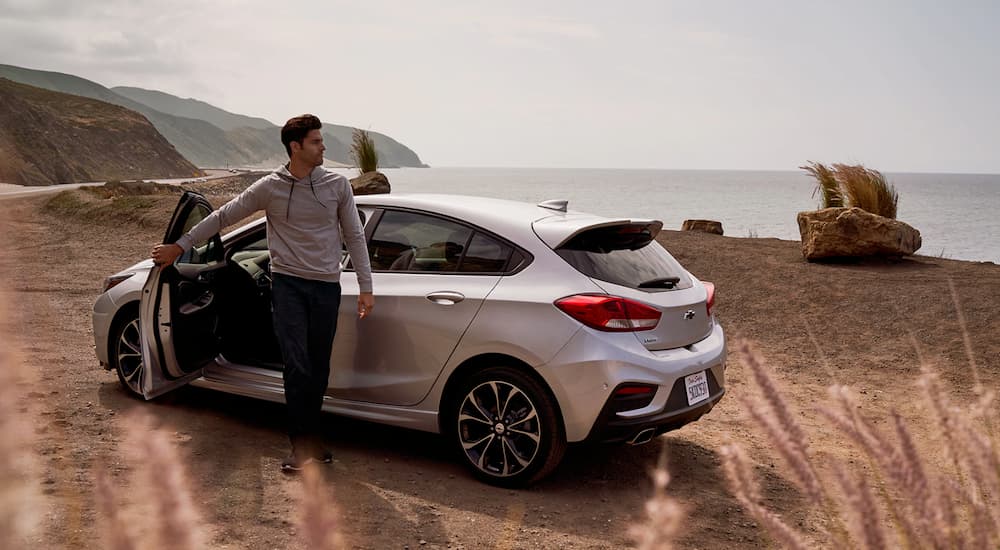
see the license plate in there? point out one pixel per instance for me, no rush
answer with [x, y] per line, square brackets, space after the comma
[697, 387]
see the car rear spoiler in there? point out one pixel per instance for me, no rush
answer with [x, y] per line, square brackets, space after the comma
[556, 231]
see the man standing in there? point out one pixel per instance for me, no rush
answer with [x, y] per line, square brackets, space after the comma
[310, 211]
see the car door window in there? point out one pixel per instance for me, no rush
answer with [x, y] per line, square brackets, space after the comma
[205, 251]
[410, 241]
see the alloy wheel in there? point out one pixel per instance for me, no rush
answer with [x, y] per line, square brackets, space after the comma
[128, 355]
[499, 428]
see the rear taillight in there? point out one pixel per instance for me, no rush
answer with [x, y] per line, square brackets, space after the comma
[710, 298]
[609, 313]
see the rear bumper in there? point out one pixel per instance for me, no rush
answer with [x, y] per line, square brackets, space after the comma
[584, 375]
[613, 428]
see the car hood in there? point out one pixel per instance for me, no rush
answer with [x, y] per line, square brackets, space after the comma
[144, 265]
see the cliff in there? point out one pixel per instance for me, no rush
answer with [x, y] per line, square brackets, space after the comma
[49, 137]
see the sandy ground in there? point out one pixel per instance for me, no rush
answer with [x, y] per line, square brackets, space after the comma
[399, 489]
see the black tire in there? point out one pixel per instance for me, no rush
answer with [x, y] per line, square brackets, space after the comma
[125, 350]
[505, 427]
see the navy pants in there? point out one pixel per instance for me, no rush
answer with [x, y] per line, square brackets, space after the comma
[305, 322]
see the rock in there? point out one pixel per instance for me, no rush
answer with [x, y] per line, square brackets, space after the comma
[706, 226]
[853, 232]
[370, 183]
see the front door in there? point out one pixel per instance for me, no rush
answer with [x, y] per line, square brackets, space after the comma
[431, 276]
[179, 309]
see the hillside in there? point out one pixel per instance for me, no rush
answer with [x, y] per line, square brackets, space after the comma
[257, 134]
[204, 134]
[191, 108]
[50, 137]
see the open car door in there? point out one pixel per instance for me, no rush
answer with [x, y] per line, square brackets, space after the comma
[179, 310]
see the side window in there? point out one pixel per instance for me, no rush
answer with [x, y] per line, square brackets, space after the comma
[485, 255]
[203, 252]
[345, 256]
[408, 241]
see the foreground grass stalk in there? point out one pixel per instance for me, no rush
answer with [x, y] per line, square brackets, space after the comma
[957, 508]
[743, 484]
[318, 519]
[178, 525]
[18, 496]
[663, 513]
[115, 531]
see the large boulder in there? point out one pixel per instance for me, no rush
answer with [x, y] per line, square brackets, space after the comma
[853, 232]
[370, 183]
[706, 226]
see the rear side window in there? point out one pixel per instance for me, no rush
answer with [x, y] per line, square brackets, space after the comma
[412, 241]
[625, 255]
[485, 255]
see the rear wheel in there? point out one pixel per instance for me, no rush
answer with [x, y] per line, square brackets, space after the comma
[126, 351]
[506, 427]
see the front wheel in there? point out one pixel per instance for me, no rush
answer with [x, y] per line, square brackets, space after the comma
[506, 427]
[126, 352]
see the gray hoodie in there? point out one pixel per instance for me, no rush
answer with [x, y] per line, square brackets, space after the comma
[307, 220]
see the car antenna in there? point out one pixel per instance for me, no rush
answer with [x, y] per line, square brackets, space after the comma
[555, 204]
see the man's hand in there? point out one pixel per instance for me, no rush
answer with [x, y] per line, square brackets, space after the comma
[164, 254]
[366, 302]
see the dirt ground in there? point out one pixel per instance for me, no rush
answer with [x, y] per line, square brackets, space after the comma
[396, 488]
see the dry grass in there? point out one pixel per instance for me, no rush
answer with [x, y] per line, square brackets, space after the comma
[854, 185]
[664, 515]
[898, 501]
[318, 518]
[826, 185]
[18, 493]
[170, 518]
[363, 151]
[160, 484]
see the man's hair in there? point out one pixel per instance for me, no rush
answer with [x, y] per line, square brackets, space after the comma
[296, 129]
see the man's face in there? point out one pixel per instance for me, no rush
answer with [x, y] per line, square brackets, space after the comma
[311, 150]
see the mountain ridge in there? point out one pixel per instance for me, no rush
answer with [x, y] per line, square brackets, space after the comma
[201, 141]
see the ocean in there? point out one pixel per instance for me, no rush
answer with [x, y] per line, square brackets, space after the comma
[958, 215]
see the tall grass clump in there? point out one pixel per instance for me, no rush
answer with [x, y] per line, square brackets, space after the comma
[899, 500]
[363, 151]
[854, 185]
[826, 185]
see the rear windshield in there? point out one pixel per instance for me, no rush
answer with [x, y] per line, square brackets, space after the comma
[625, 255]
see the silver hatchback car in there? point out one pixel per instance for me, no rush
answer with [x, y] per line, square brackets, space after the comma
[511, 328]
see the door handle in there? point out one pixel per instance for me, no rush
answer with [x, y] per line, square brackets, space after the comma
[446, 297]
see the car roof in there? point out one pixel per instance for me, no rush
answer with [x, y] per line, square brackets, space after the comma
[506, 217]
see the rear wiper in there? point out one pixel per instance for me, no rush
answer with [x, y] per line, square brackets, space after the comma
[667, 282]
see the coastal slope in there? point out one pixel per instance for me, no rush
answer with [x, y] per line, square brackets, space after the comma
[204, 134]
[50, 137]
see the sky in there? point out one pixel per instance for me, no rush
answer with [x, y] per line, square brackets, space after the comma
[899, 86]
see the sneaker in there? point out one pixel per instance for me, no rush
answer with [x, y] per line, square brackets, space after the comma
[295, 463]
[324, 456]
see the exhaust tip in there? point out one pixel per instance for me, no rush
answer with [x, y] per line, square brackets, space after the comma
[645, 436]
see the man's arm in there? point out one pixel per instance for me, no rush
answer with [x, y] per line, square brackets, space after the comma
[353, 234]
[249, 201]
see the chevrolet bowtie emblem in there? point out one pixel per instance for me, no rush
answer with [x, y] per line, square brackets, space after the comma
[689, 314]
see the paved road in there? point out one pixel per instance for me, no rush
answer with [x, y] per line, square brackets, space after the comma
[10, 190]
